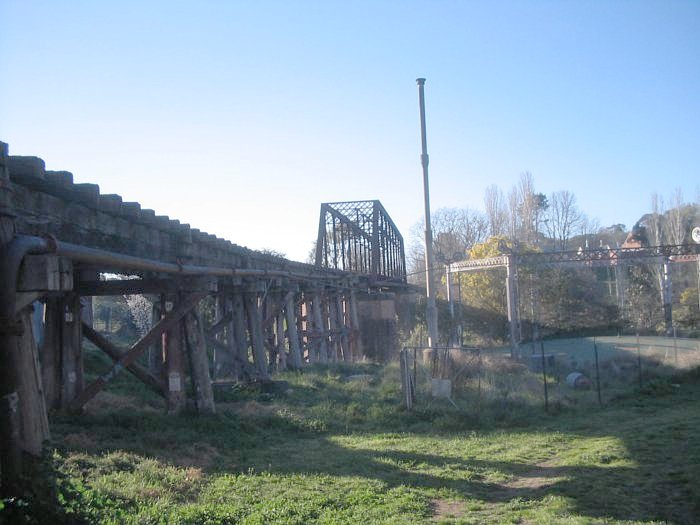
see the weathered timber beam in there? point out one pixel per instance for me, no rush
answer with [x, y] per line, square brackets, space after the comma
[215, 343]
[257, 339]
[245, 367]
[199, 362]
[173, 346]
[45, 273]
[271, 318]
[292, 332]
[171, 319]
[220, 325]
[147, 286]
[24, 299]
[115, 353]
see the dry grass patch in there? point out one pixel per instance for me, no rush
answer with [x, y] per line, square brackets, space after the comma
[447, 509]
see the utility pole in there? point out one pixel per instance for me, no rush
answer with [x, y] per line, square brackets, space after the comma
[431, 309]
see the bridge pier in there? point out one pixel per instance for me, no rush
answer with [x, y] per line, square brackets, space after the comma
[23, 417]
[335, 326]
[340, 306]
[173, 359]
[291, 312]
[72, 378]
[355, 342]
[257, 341]
[379, 334]
[239, 336]
[199, 362]
[319, 329]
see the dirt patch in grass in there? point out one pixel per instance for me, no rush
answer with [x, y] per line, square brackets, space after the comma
[540, 477]
[447, 509]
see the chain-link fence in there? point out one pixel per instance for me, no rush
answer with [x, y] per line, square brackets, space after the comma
[551, 374]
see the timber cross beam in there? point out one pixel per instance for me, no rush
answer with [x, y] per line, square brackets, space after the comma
[171, 319]
[116, 354]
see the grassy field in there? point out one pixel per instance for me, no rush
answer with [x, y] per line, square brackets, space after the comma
[333, 446]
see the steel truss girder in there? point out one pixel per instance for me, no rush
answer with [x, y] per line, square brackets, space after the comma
[676, 253]
[359, 236]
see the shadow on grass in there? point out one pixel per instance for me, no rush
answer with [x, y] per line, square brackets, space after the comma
[660, 435]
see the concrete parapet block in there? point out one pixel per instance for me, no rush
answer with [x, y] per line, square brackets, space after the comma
[148, 216]
[131, 210]
[88, 194]
[110, 203]
[4, 175]
[25, 169]
[62, 179]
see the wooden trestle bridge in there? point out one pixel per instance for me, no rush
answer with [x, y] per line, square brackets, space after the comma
[57, 241]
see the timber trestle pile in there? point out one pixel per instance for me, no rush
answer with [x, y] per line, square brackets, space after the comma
[58, 241]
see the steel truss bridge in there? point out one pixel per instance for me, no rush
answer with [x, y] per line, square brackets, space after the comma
[359, 236]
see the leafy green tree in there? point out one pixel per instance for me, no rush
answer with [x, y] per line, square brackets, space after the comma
[688, 314]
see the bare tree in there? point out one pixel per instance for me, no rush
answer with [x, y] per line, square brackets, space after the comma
[563, 218]
[513, 213]
[528, 206]
[655, 236]
[532, 206]
[654, 220]
[496, 212]
[675, 223]
[455, 231]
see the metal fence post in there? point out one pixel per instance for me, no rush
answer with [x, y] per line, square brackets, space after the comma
[675, 346]
[597, 371]
[639, 361]
[544, 377]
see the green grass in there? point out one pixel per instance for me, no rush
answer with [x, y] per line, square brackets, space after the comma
[322, 449]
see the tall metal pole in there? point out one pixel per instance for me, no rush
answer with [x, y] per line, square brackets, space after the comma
[431, 309]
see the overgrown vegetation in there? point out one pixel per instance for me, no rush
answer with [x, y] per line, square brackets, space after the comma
[333, 445]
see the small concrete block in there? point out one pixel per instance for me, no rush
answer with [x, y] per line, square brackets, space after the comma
[62, 179]
[148, 216]
[111, 203]
[88, 194]
[130, 209]
[162, 222]
[25, 168]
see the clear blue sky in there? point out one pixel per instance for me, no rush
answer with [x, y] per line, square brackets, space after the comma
[242, 117]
